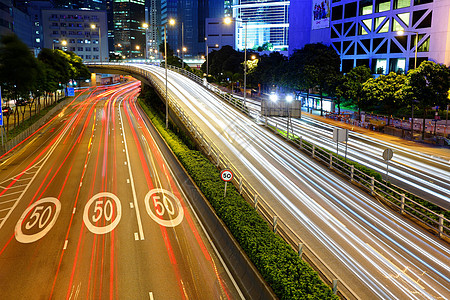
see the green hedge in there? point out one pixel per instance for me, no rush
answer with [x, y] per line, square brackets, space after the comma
[278, 263]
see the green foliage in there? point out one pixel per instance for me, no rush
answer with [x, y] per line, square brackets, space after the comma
[18, 68]
[269, 71]
[278, 263]
[353, 85]
[428, 86]
[384, 92]
[223, 60]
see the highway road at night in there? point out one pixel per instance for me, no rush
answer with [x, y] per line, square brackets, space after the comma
[425, 175]
[375, 252]
[89, 209]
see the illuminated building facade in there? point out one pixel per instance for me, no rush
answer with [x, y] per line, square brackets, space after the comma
[267, 23]
[380, 34]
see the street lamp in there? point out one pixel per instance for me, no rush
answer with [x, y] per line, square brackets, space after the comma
[99, 40]
[171, 22]
[182, 56]
[207, 55]
[228, 21]
[401, 32]
[289, 99]
[182, 45]
[145, 25]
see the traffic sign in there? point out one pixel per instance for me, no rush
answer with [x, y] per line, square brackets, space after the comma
[226, 175]
[70, 92]
[387, 154]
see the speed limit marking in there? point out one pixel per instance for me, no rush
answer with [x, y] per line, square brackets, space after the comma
[226, 175]
[167, 207]
[104, 211]
[37, 220]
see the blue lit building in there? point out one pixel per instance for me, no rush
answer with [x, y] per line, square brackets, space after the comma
[369, 32]
[267, 22]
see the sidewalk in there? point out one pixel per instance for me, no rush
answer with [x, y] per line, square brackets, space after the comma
[429, 149]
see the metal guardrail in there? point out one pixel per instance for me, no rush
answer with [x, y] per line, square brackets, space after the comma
[400, 202]
[30, 130]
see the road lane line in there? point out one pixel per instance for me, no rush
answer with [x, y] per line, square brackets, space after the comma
[136, 236]
[150, 294]
[138, 215]
[65, 244]
[131, 205]
[74, 209]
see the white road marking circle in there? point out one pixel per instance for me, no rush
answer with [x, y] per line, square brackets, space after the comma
[162, 205]
[41, 217]
[102, 209]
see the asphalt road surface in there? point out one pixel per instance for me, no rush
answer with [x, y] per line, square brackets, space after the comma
[373, 251]
[90, 210]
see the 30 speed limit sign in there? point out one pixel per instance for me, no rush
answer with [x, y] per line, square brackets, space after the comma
[226, 175]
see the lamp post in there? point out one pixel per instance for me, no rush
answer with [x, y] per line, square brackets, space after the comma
[99, 40]
[182, 45]
[171, 22]
[401, 32]
[145, 25]
[207, 55]
[228, 20]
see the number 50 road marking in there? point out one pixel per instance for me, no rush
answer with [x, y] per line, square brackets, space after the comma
[40, 218]
[102, 209]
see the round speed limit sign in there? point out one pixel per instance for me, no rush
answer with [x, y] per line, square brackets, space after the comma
[226, 175]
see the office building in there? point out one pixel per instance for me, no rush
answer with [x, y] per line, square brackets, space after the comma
[267, 23]
[129, 34]
[378, 33]
[190, 16]
[74, 29]
[6, 18]
[219, 33]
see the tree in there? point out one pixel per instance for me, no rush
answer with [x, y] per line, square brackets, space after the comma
[384, 92]
[335, 90]
[315, 65]
[80, 71]
[268, 71]
[353, 84]
[18, 69]
[428, 85]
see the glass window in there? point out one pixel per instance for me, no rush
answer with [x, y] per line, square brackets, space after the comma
[80, 49]
[88, 56]
[365, 7]
[88, 48]
[336, 13]
[361, 30]
[404, 17]
[368, 23]
[396, 25]
[38, 40]
[401, 3]
[350, 10]
[425, 46]
[419, 2]
[382, 5]
[380, 66]
[378, 22]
